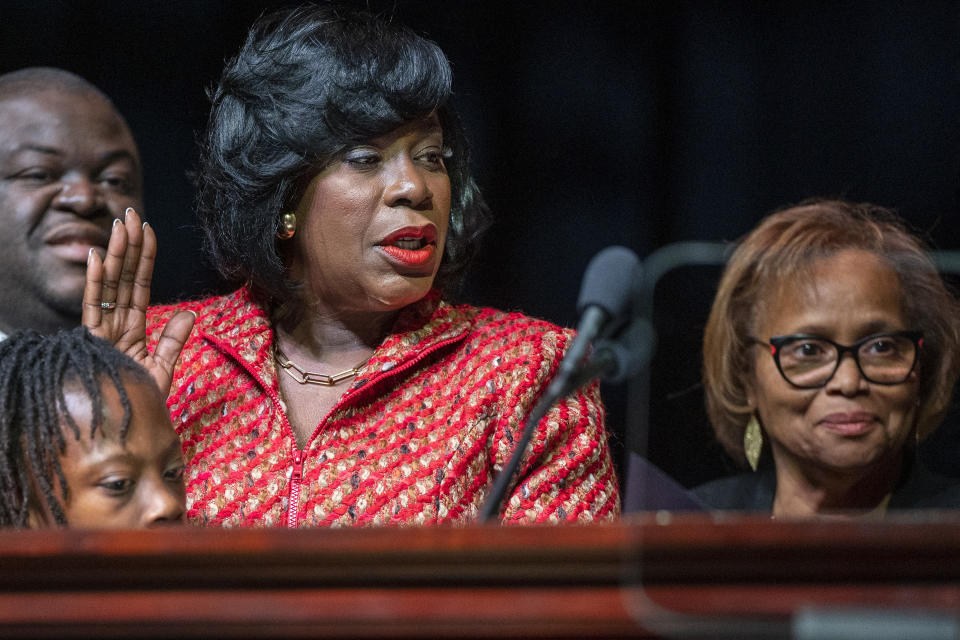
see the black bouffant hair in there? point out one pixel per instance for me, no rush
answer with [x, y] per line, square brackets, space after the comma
[308, 84]
[34, 371]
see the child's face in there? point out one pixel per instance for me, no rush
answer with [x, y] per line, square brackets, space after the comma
[131, 483]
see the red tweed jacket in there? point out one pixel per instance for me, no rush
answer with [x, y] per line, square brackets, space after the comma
[416, 439]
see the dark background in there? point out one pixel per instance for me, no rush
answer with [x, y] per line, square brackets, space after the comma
[634, 123]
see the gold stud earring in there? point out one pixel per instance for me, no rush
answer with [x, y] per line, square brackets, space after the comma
[753, 442]
[288, 226]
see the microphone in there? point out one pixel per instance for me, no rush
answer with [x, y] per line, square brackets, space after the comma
[617, 359]
[605, 295]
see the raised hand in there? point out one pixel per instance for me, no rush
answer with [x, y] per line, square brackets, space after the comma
[116, 296]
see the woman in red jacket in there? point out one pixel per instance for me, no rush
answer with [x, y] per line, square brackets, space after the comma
[336, 386]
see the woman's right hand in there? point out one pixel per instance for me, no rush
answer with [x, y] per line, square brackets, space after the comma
[116, 296]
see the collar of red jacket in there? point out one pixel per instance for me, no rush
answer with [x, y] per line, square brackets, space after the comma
[240, 326]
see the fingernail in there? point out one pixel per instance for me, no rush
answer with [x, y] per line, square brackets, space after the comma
[89, 255]
[116, 221]
[126, 215]
[144, 225]
[127, 211]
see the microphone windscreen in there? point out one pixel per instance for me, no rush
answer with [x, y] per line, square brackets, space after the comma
[608, 281]
[628, 353]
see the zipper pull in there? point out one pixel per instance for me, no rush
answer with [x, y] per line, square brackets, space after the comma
[293, 498]
[297, 466]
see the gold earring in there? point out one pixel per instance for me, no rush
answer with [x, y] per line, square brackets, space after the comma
[288, 226]
[753, 442]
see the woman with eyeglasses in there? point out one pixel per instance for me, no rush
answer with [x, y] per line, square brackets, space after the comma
[831, 350]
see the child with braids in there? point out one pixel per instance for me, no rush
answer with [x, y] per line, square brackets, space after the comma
[85, 437]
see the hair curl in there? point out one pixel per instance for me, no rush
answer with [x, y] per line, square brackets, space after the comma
[34, 371]
[785, 245]
[307, 84]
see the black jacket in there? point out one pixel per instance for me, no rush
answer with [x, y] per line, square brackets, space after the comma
[919, 488]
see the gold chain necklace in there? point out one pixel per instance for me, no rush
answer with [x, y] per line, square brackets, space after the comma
[308, 377]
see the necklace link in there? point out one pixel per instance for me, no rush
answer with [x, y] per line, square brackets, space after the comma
[303, 376]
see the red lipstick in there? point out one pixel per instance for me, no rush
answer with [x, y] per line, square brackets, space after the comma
[411, 246]
[412, 257]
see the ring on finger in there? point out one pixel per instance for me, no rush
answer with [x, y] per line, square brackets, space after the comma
[108, 306]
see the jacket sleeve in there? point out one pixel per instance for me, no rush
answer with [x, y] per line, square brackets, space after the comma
[567, 474]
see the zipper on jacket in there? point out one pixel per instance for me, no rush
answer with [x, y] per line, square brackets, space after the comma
[296, 482]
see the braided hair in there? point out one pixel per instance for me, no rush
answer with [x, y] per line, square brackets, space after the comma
[35, 369]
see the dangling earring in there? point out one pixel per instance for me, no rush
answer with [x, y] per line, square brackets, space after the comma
[288, 226]
[753, 442]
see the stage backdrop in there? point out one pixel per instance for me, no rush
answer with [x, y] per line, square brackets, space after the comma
[635, 123]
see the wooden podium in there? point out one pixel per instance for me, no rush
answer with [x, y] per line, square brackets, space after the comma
[654, 576]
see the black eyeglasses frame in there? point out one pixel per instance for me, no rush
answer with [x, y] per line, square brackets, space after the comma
[776, 343]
